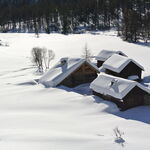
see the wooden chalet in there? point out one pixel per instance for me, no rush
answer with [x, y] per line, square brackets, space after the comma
[125, 93]
[105, 54]
[70, 72]
[124, 67]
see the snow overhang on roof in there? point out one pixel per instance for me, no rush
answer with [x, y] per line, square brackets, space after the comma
[117, 63]
[105, 54]
[62, 70]
[115, 86]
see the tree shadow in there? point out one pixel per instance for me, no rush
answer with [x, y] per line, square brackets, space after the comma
[23, 69]
[28, 83]
[143, 44]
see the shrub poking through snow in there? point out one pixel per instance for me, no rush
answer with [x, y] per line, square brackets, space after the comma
[42, 57]
[4, 43]
[118, 136]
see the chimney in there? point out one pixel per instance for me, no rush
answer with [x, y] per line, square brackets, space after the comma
[64, 61]
[114, 84]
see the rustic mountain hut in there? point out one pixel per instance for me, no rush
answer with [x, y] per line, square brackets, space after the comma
[105, 54]
[125, 93]
[124, 67]
[70, 72]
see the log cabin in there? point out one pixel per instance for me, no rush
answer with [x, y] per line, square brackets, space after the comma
[125, 93]
[123, 67]
[105, 54]
[70, 72]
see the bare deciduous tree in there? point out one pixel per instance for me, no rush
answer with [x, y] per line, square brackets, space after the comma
[48, 56]
[42, 58]
[51, 56]
[37, 58]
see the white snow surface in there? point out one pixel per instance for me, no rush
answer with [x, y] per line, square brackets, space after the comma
[105, 54]
[60, 71]
[133, 77]
[37, 118]
[115, 86]
[117, 63]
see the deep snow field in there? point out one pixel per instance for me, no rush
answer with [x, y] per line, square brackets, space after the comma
[33, 117]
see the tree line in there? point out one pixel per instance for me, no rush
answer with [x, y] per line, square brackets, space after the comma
[130, 17]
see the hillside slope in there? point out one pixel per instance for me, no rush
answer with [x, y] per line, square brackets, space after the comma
[35, 118]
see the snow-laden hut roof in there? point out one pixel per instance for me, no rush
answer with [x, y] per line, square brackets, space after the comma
[117, 63]
[105, 54]
[115, 86]
[63, 69]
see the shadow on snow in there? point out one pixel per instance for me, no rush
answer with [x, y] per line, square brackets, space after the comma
[143, 44]
[140, 113]
[146, 81]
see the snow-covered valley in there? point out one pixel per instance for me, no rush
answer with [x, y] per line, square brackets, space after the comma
[33, 117]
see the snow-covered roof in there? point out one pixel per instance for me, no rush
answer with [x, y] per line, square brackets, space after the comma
[62, 70]
[115, 86]
[133, 77]
[117, 63]
[105, 54]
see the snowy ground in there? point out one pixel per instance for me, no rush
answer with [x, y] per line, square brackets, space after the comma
[35, 118]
